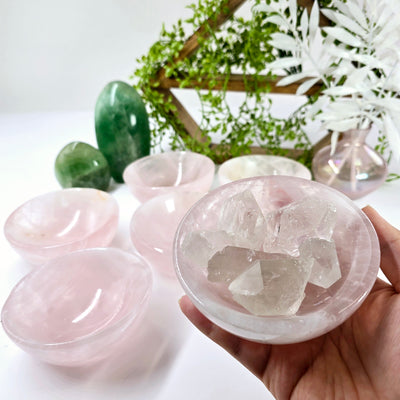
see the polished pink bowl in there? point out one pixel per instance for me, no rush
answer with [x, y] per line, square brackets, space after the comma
[172, 171]
[322, 309]
[59, 222]
[73, 310]
[153, 227]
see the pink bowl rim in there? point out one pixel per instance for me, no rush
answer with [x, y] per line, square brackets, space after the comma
[222, 174]
[136, 163]
[129, 317]
[241, 320]
[22, 245]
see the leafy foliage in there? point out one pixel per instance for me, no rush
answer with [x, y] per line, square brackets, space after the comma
[356, 59]
[243, 45]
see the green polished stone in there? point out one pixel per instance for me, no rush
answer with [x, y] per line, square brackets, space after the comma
[81, 165]
[122, 126]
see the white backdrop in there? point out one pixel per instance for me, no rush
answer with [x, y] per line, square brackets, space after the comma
[59, 54]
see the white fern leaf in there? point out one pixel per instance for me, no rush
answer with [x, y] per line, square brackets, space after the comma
[285, 62]
[357, 13]
[344, 36]
[293, 10]
[304, 24]
[283, 42]
[345, 22]
[342, 125]
[314, 19]
[306, 86]
[276, 19]
[288, 80]
[340, 91]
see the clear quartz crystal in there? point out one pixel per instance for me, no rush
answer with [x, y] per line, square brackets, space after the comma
[291, 225]
[200, 246]
[228, 263]
[242, 216]
[326, 270]
[284, 281]
[249, 283]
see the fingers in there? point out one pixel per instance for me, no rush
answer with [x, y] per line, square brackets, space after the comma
[253, 356]
[389, 240]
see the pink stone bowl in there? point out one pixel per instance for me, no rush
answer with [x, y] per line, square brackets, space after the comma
[73, 310]
[260, 165]
[172, 171]
[153, 227]
[322, 309]
[59, 222]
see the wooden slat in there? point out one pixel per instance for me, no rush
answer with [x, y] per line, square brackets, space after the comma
[236, 83]
[192, 44]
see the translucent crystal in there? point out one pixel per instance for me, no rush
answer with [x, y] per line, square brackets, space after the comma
[228, 263]
[291, 225]
[326, 270]
[249, 282]
[200, 246]
[284, 282]
[242, 216]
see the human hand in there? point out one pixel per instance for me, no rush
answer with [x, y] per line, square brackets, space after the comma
[360, 359]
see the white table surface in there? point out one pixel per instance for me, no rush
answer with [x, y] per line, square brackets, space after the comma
[171, 359]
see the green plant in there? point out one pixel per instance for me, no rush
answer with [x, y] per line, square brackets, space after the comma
[242, 45]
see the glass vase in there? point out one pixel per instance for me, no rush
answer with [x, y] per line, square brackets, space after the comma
[353, 168]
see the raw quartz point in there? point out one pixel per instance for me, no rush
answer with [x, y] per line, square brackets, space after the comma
[228, 263]
[283, 280]
[200, 246]
[242, 216]
[292, 225]
[326, 270]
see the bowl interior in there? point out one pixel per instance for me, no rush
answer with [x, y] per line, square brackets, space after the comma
[260, 165]
[76, 296]
[356, 244]
[168, 169]
[60, 217]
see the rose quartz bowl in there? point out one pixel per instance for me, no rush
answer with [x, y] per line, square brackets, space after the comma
[322, 309]
[73, 310]
[59, 222]
[153, 227]
[172, 171]
[260, 165]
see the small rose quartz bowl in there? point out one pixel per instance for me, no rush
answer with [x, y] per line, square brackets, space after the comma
[73, 310]
[153, 227]
[322, 309]
[62, 221]
[172, 171]
[260, 165]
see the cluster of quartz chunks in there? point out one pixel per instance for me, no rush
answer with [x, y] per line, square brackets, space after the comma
[266, 260]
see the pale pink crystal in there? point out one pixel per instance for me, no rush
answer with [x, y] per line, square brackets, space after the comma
[73, 310]
[172, 171]
[59, 222]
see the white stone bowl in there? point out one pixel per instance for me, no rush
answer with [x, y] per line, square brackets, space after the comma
[78, 308]
[172, 171]
[322, 309]
[62, 221]
[260, 165]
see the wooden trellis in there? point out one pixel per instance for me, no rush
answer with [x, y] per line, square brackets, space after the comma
[236, 82]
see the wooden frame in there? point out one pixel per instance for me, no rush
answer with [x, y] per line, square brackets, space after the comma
[235, 83]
